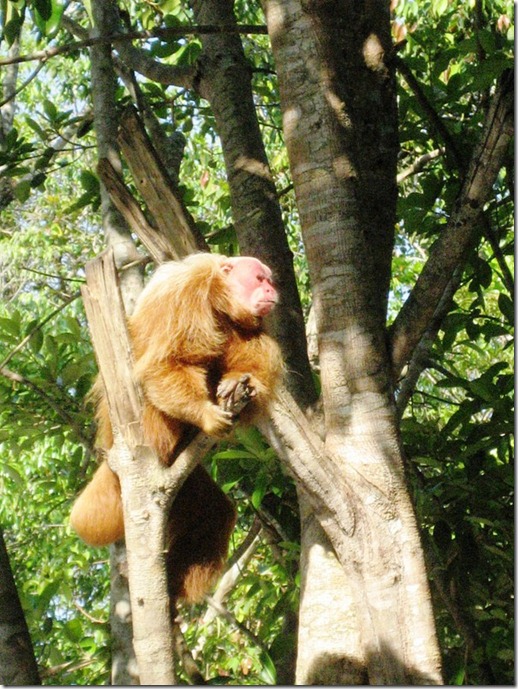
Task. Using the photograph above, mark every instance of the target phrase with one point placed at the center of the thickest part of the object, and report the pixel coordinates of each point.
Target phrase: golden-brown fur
(190, 331)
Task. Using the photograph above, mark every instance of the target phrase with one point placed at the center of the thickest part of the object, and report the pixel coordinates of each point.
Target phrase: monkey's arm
(180, 391)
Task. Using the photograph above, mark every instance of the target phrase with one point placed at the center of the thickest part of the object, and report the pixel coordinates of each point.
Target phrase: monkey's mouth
(263, 308)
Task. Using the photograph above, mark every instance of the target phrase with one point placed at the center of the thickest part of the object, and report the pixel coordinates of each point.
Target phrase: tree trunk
(119, 238)
(325, 601)
(17, 662)
(338, 102)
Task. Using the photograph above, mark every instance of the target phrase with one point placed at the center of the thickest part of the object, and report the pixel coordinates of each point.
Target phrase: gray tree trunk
(119, 238)
(338, 102)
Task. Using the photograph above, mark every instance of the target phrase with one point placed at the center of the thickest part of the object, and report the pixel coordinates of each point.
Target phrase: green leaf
(74, 630)
(258, 494)
(46, 595)
(268, 671)
(50, 109)
(188, 54)
(234, 454)
(43, 8)
(11, 325)
(36, 341)
(484, 389)
(506, 306)
(89, 181)
(53, 22)
(13, 474)
(13, 27)
(22, 190)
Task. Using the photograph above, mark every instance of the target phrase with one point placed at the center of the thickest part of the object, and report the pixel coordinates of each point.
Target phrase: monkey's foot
(234, 394)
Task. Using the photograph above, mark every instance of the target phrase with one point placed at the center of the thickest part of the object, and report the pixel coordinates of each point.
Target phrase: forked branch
(148, 487)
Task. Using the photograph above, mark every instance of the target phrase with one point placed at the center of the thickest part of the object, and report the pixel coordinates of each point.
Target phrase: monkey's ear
(227, 267)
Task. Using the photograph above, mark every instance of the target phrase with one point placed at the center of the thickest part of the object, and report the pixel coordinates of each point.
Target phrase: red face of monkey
(251, 282)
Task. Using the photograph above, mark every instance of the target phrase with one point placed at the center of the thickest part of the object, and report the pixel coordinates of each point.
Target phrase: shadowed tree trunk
(17, 662)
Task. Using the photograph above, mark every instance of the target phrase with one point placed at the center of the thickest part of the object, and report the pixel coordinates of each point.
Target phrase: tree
(18, 662)
(337, 69)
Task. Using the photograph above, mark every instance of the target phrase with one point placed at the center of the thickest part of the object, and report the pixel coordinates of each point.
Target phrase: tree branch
(140, 61)
(227, 615)
(158, 247)
(420, 356)
(436, 122)
(419, 164)
(451, 248)
(174, 222)
(238, 564)
(163, 32)
(62, 414)
(489, 234)
(11, 96)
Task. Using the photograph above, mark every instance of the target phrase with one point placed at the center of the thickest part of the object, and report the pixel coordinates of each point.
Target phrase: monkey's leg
(257, 360)
(201, 522)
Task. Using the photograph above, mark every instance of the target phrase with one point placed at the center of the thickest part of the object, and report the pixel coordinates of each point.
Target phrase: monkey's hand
(234, 394)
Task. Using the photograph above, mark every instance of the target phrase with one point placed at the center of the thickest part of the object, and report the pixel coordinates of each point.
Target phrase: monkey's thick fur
(189, 333)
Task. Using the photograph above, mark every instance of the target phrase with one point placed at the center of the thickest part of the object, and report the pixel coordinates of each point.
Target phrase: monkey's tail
(97, 513)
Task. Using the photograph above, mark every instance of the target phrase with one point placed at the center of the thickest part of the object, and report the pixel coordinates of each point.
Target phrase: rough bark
(338, 101)
(118, 237)
(174, 222)
(332, 657)
(17, 662)
(159, 249)
(368, 519)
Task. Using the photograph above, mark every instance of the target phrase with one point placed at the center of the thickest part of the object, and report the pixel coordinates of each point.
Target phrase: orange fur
(192, 328)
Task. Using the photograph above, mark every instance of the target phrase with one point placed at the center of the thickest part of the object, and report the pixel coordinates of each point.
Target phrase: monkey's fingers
(235, 393)
(228, 386)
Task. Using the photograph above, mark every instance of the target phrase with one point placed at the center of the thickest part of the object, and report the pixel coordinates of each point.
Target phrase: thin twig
(224, 612)
(164, 32)
(25, 83)
(67, 418)
(419, 164)
(37, 327)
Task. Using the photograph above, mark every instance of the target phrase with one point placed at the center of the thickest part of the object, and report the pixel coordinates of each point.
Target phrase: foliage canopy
(457, 428)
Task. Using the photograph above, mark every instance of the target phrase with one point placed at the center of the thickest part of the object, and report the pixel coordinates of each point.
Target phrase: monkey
(196, 332)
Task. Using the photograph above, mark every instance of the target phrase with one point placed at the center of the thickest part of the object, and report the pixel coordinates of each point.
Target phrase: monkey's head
(250, 282)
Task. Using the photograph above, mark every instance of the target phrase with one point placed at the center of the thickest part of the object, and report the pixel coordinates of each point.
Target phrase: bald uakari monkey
(196, 332)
